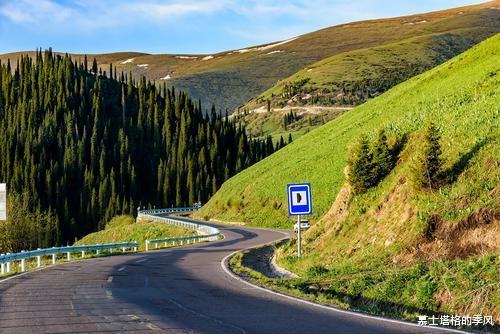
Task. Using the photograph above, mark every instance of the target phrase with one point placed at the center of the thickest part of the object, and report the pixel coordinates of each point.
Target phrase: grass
(403, 293)
(231, 78)
(122, 228)
(262, 124)
(460, 96)
(350, 78)
(393, 250)
(125, 229)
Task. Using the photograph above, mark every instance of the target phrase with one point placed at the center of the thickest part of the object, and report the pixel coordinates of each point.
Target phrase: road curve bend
(176, 290)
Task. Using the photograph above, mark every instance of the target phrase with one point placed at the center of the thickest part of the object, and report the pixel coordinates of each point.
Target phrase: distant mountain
(229, 79)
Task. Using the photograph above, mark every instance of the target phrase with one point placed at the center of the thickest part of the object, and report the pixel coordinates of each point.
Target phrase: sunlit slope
(231, 78)
(352, 77)
(461, 96)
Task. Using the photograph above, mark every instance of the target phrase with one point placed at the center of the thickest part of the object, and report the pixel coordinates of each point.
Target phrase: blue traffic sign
(299, 199)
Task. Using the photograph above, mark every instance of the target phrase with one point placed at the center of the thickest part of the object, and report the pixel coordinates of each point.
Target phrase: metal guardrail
(205, 232)
(6, 259)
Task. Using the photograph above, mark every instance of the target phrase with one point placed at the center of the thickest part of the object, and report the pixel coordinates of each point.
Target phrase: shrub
(427, 166)
(360, 166)
(369, 164)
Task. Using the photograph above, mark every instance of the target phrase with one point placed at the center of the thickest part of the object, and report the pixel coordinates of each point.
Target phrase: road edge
(331, 308)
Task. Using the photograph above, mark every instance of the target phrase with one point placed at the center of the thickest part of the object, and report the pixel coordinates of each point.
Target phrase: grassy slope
(124, 228)
(232, 78)
(393, 250)
(379, 68)
(460, 95)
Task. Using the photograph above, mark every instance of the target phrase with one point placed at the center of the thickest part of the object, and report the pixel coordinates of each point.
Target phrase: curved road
(177, 290)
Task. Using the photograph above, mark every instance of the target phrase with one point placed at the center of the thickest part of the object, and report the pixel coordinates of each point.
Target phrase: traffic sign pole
(299, 203)
(298, 236)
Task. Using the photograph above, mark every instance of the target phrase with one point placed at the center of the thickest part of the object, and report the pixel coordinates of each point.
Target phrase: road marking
(110, 279)
(109, 294)
(153, 327)
(122, 269)
(141, 260)
(224, 266)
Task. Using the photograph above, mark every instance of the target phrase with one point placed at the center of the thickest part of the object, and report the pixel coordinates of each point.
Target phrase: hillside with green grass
(461, 96)
(229, 79)
(126, 229)
(395, 249)
(353, 77)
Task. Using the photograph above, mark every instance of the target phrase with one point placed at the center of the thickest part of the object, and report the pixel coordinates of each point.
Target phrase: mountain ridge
(230, 78)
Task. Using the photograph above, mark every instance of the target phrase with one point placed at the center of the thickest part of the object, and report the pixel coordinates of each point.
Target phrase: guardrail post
(123, 249)
(38, 260)
(83, 254)
(23, 265)
(8, 265)
(135, 249)
(2, 267)
(54, 258)
(68, 254)
(182, 242)
(156, 245)
(147, 245)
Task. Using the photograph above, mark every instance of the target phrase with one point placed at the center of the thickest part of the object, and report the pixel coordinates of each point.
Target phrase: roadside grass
(122, 228)
(126, 229)
(400, 293)
(394, 252)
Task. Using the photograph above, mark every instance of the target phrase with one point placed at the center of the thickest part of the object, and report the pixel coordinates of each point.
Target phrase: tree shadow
(451, 174)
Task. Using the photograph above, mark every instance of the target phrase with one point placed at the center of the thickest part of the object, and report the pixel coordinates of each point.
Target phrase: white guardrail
(6, 259)
(205, 233)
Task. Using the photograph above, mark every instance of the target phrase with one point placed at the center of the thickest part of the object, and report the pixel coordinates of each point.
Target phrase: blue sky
(182, 26)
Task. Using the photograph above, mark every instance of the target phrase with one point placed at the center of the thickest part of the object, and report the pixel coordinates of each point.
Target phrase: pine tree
(94, 66)
(427, 166)
(359, 163)
(84, 147)
(382, 159)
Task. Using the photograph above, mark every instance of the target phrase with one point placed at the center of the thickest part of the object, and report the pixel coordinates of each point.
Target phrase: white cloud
(34, 11)
(95, 14)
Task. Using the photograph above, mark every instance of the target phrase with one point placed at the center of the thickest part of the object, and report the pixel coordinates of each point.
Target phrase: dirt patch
(261, 260)
(476, 235)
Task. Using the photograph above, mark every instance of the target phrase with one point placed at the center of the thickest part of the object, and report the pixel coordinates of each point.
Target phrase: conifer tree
(427, 166)
(93, 147)
(359, 163)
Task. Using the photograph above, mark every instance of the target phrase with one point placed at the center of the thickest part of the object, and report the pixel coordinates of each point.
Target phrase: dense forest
(79, 145)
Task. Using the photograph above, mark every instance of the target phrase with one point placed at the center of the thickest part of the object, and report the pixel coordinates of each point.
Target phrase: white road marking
(122, 269)
(141, 260)
(110, 279)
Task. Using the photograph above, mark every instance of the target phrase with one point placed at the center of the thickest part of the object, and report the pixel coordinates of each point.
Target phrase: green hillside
(460, 95)
(126, 229)
(230, 78)
(395, 250)
(351, 78)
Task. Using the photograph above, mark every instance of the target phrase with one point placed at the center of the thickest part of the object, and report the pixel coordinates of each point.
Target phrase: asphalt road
(167, 291)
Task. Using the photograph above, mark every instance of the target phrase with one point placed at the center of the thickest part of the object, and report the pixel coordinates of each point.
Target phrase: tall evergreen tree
(427, 167)
(85, 147)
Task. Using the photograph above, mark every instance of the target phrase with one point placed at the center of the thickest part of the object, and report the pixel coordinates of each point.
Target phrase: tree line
(80, 146)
